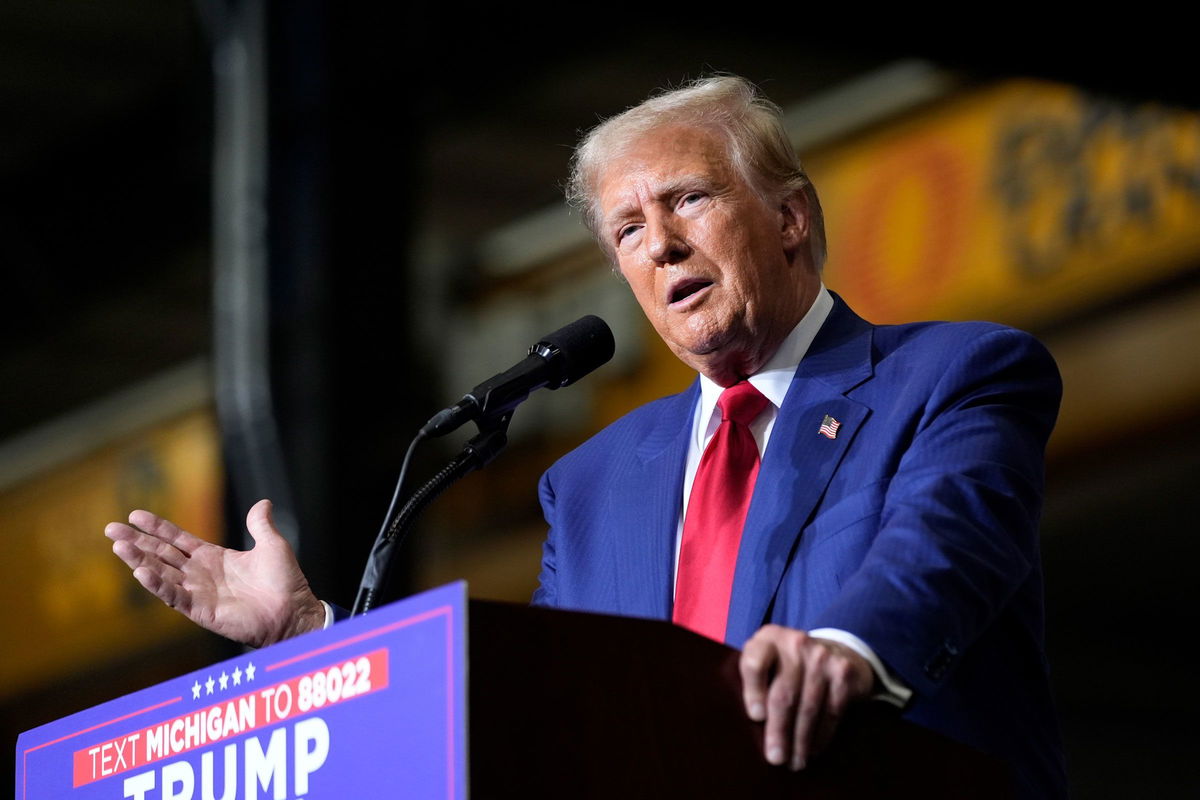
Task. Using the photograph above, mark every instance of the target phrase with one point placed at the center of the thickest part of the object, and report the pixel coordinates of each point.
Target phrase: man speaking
(854, 506)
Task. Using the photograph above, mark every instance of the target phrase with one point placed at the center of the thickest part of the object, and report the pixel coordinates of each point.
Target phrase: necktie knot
(741, 403)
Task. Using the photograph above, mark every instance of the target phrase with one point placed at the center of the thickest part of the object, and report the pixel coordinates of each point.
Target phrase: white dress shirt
(773, 381)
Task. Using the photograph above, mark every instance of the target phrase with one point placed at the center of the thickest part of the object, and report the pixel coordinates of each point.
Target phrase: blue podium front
(373, 707)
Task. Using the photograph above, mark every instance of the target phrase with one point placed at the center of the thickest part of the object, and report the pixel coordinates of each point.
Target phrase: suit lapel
(645, 506)
(799, 463)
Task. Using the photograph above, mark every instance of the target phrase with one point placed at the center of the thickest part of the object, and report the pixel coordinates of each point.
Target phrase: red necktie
(712, 529)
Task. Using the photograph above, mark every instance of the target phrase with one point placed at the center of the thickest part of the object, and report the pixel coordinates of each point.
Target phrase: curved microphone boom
(558, 359)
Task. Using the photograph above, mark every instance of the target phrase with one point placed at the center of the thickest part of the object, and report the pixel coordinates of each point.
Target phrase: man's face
(721, 275)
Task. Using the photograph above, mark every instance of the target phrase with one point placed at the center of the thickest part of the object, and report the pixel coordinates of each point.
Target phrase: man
(856, 505)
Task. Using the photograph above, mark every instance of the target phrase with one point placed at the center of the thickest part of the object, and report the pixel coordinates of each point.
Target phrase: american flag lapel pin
(829, 427)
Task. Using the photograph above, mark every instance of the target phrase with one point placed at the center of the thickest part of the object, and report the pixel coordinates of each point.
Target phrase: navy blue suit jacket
(915, 528)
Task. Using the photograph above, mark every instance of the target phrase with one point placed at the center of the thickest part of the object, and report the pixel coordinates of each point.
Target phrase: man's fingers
(782, 698)
(137, 560)
(827, 726)
(134, 556)
(164, 529)
(811, 711)
(843, 685)
(808, 683)
(170, 592)
(133, 543)
(758, 658)
(836, 677)
(118, 530)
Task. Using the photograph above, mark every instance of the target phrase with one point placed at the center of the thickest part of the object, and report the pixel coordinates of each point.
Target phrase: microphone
(558, 359)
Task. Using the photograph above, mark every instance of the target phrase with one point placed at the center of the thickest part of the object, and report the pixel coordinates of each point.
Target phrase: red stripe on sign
(270, 705)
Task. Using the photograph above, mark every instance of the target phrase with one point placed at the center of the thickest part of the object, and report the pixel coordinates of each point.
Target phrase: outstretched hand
(256, 597)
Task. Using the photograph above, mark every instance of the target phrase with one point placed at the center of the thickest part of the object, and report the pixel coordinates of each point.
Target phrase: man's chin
(700, 337)
(719, 362)
(697, 351)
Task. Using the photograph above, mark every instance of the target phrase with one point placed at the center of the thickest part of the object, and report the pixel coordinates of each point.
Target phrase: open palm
(256, 597)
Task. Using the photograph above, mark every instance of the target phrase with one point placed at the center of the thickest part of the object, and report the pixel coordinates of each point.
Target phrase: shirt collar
(774, 379)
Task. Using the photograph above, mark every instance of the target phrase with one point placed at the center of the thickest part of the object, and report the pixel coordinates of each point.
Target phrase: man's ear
(793, 220)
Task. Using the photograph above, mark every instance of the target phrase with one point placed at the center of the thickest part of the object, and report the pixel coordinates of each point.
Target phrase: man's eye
(691, 198)
(626, 231)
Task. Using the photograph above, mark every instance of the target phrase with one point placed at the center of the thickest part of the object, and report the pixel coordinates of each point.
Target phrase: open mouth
(687, 289)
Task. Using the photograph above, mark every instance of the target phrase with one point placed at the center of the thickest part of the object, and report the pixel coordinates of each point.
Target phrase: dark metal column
(242, 313)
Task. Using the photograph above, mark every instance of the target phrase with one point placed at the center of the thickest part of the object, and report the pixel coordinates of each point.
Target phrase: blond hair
(733, 106)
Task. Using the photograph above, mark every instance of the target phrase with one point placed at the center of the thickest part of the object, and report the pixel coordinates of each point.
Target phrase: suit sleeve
(957, 542)
(545, 594)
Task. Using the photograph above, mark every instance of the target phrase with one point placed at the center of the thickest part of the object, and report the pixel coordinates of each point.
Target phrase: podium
(439, 697)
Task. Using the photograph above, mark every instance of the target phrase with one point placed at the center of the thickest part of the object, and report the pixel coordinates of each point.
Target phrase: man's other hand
(800, 685)
(256, 597)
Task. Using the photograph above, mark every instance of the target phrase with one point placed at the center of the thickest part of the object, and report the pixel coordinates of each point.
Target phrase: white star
(208, 684)
(250, 671)
(196, 690)
(237, 676)
(224, 681)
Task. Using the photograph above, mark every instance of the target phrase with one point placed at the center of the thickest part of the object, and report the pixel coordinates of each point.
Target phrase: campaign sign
(372, 707)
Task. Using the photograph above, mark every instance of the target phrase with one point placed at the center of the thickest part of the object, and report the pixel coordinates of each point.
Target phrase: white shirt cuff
(893, 690)
(328, 615)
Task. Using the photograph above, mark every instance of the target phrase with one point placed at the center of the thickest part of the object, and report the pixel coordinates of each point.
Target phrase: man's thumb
(259, 522)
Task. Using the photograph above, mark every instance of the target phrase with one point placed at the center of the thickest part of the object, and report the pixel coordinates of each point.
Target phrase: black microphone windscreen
(583, 345)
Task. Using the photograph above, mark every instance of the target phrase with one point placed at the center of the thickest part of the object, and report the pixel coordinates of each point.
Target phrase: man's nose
(665, 242)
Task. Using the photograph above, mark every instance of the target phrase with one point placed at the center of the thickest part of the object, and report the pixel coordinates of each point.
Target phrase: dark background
(395, 133)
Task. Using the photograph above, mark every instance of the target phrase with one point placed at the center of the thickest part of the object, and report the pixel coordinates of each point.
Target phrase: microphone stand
(476, 454)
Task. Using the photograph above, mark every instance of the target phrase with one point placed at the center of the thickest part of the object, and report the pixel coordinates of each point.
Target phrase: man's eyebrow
(684, 183)
(675, 185)
(620, 213)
